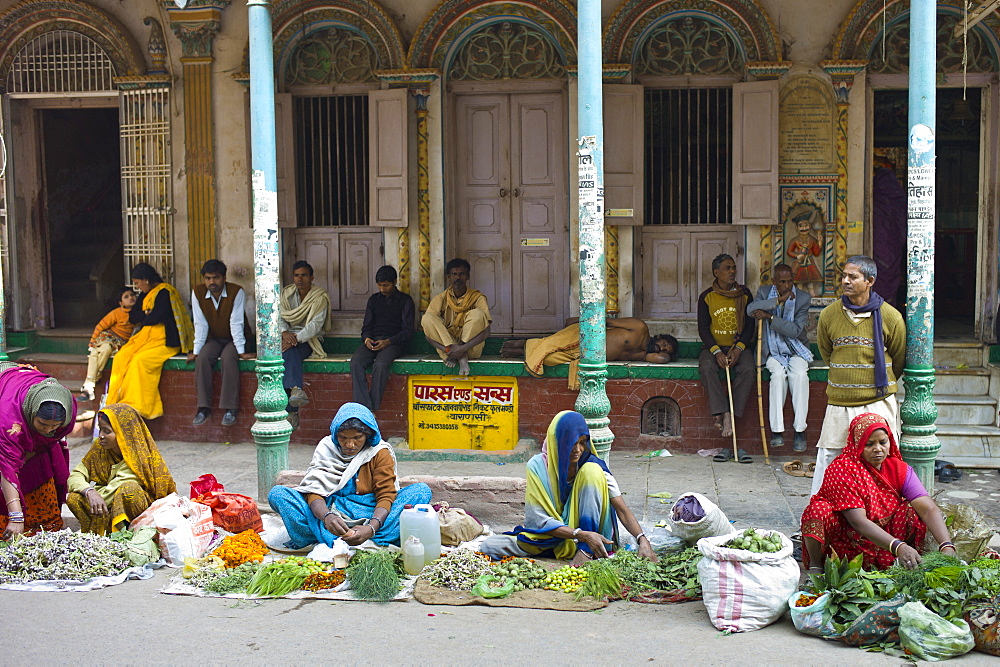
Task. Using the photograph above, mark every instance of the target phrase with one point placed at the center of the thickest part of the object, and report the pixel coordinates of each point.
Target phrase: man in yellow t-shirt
(457, 321)
(726, 332)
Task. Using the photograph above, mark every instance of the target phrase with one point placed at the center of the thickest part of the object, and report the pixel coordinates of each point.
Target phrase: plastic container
(413, 555)
(421, 521)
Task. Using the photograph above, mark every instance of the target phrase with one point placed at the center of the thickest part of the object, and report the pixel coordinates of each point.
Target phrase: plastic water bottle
(413, 555)
(422, 521)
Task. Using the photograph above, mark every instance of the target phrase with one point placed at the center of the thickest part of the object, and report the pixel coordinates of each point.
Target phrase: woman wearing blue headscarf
(572, 502)
(350, 489)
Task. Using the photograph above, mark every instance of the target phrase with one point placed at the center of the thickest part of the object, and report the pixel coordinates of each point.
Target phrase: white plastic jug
(413, 555)
(422, 521)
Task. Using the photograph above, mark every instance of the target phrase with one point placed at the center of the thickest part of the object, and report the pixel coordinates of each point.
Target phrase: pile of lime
(757, 541)
(567, 579)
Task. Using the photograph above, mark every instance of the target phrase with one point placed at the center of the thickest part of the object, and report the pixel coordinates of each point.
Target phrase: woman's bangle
(15, 517)
(894, 546)
(945, 545)
(639, 537)
(576, 531)
(327, 514)
(380, 524)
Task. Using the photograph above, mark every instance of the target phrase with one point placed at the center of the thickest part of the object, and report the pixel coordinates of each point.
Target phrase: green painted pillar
(919, 443)
(271, 429)
(592, 401)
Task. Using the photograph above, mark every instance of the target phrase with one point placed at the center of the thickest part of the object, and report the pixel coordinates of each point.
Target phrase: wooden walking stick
(732, 417)
(760, 394)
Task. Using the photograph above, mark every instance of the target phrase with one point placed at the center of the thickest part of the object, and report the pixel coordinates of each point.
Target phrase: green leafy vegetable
(375, 576)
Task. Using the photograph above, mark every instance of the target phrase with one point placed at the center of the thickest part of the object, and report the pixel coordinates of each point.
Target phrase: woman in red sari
(871, 503)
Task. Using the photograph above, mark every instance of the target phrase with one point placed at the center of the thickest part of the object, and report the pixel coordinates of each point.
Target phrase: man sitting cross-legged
(457, 321)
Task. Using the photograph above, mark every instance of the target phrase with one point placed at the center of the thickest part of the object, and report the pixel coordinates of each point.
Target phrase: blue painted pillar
(592, 401)
(270, 430)
(919, 443)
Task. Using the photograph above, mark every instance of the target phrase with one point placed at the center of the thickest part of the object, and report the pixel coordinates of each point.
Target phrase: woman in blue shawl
(350, 489)
(572, 503)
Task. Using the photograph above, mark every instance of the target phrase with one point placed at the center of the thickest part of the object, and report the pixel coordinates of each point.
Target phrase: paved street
(133, 623)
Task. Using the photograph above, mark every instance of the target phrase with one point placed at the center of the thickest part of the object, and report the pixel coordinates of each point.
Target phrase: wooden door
(511, 206)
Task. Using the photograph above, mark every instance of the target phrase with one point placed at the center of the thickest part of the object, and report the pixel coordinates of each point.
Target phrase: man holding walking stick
(782, 309)
(726, 332)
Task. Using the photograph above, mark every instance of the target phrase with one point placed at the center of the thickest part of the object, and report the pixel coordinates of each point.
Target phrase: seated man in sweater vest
(864, 340)
(726, 332)
(385, 331)
(219, 333)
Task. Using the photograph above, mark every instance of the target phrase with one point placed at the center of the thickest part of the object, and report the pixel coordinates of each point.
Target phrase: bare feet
(718, 422)
(581, 558)
(512, 349)
(727, 425)
(449, 362)
(463, 366)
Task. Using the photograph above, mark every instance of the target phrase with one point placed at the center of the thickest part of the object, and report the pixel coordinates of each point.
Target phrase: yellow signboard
(448, 412)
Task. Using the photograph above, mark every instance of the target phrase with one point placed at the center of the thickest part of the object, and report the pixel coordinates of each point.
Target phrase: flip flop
(743, 457)
(810, 469)
(794, 468)
(949, 474)
(723, 456)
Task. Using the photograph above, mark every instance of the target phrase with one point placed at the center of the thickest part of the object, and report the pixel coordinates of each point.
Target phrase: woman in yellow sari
(121, 475)
(163, 329)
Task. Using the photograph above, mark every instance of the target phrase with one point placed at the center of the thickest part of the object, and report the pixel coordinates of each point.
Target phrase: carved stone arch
(861, 32)
(449, 26)
(295, 21)
(29, 19)
(745, 20)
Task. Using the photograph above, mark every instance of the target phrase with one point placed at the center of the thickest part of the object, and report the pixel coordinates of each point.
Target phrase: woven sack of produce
(744, 590)
(711, 520)
(984, 620)
(457, 525)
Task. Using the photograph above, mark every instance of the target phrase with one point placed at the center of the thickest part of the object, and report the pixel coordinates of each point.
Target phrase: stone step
(966, 410)
(972, 382)
(960, 440)
(951, 354)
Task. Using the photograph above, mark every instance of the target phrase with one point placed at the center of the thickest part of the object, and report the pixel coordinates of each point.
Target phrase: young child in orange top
(109, 335)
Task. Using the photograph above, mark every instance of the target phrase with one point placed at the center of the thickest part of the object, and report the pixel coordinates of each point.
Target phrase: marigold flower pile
(245, 547)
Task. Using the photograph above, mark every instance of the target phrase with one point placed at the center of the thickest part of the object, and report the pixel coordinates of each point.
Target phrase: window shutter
(624, 158)
(284, 135)
(387, 163)
(755, 153)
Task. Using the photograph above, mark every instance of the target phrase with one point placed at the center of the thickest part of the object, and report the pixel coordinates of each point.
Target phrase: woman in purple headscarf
(889, 234)
(36, 415)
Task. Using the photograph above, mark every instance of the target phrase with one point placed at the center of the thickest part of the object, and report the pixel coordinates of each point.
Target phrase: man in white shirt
(218, 309)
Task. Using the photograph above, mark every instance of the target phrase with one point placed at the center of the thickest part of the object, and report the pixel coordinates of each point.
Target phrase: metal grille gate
(147, 208)
(61, 61)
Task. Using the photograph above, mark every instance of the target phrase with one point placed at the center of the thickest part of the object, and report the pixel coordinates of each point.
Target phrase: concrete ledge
(524, 450)
(496, 501)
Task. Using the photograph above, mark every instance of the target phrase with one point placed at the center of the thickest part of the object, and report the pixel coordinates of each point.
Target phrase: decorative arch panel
(860, 36)
(447, 30)
(28, 20)
(315, 31)
(637, 22)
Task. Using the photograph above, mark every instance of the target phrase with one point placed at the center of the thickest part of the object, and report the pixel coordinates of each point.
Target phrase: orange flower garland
(242, 548)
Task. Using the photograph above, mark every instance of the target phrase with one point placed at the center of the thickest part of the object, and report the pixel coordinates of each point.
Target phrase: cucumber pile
(526, 573)
(757, 541)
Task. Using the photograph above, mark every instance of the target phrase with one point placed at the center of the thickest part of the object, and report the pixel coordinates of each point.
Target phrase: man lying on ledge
(627, 339)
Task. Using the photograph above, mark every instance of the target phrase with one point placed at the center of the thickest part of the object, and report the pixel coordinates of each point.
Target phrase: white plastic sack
(744, 590)
(712, 524)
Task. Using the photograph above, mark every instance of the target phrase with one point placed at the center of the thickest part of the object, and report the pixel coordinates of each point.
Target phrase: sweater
(378, 477)
(117, 321)
(849, 349)
(717, 318)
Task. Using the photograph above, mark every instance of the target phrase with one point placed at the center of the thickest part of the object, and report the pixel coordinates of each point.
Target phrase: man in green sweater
(863, 339)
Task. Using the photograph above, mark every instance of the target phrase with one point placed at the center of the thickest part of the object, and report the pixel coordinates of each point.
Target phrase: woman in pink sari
(36, 415)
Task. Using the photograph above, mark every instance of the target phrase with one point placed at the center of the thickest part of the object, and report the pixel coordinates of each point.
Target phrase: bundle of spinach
(939, 582)
(674, 571)
(851, 589)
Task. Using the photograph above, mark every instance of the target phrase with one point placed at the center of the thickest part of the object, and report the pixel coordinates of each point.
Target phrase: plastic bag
(970, 530)
(233, 512)
(205, 484)
(744, 590)
(927, 636)
(984, 621)
(816, 619)
(712, 524)
(663, 541)
(457, 525)
(484, 587)
(879, 623)
(194, 533)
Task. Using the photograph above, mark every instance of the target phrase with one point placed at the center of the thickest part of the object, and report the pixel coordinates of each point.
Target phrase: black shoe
(201, 417)
(229, 418)
(799, 444)
(777, 440)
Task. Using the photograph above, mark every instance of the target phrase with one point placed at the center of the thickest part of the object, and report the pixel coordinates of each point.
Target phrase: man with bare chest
(627, 339)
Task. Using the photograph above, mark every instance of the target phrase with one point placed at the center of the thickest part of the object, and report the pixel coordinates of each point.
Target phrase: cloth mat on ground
(528, 599)
(93, 584)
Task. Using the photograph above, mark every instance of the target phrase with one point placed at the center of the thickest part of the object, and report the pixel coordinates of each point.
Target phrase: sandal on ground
(794, 468)
(949, 474)
(725, 455)
(743, 457)
(810, 469)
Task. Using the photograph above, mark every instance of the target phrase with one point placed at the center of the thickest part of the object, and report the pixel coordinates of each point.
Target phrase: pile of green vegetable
(61, 555)
(375, 575)
(523, 572)
(757, 541)
(674, 571)
(233, 580)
